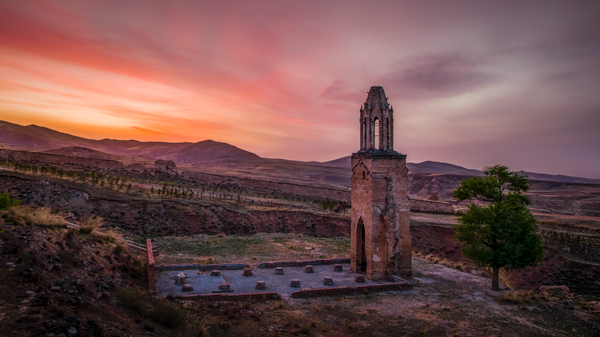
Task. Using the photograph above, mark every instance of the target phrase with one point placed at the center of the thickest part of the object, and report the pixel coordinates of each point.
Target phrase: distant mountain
(83, 152)
(344, 162)
(212, 153)
(437, 167)
(434, 167)
(208, 152)
(424, 167)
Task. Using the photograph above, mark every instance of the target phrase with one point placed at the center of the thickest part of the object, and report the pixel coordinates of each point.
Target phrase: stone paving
(204, 283)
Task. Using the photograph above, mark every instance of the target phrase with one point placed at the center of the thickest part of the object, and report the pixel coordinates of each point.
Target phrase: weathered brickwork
(380, 215)
(150, 265)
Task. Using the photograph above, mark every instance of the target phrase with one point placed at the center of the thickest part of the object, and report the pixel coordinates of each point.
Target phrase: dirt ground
(443, 302)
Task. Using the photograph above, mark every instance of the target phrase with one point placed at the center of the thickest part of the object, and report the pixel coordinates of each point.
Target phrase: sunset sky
(473, 83)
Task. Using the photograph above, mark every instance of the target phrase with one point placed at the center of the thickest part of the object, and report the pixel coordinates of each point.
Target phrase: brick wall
(305, 293)
(302, 263)
(233, 297)
(150, 261)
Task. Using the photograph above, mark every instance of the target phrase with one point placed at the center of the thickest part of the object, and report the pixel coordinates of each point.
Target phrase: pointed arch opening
(376, 134)
(361, 254)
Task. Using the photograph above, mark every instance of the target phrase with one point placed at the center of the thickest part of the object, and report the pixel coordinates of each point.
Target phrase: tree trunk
(495, 285)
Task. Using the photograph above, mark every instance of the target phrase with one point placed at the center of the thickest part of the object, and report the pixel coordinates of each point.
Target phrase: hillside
(83, 152)
(218, 155)
(208, 152)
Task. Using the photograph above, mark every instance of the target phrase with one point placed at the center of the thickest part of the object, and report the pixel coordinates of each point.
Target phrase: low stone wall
(232, 297)
(305, 293)
(430, 206)
(302, 263)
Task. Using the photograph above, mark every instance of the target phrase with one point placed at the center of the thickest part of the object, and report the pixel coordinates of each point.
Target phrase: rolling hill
(209, 153)
(36, 138)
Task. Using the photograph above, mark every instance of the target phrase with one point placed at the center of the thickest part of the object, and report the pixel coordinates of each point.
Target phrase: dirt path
(443, 302)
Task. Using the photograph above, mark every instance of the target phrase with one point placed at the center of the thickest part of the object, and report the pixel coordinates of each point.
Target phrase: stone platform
(204, 284)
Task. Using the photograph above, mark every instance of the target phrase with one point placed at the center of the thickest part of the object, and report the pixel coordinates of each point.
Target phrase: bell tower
(380, 215)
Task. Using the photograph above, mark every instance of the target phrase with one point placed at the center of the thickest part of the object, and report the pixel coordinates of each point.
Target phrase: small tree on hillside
(504, 233)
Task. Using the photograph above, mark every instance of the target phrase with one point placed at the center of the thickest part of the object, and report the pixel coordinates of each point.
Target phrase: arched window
(376, 134)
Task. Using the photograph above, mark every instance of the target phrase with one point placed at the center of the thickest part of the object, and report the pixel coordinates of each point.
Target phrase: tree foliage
(502, 234)
(6, 201)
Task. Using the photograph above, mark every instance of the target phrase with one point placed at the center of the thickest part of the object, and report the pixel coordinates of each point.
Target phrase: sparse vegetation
(167, 313)
(6, 201)
(108, 236)
(207, 249)
(28, 216)
(133, 299)
(89, 225)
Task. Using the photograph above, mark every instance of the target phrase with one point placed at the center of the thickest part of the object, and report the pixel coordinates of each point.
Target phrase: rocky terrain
(57, 282)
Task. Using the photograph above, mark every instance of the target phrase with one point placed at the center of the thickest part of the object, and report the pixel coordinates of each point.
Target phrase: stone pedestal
(309, 269)
(295, 283)
(260, 285)
(215, 273)
(247, 272)
(359, 279)
(337, 267)
(187, 287)
(225, 287)
(279, 271)
(328, 281)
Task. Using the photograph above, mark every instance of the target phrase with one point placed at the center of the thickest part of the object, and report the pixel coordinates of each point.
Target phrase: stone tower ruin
(380, 215)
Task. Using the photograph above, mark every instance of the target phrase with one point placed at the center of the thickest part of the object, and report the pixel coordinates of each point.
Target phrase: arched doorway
(361, 254)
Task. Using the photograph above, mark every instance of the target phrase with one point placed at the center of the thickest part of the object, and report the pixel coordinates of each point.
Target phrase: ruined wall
(65, 162)
(380, 201)
(430, 206)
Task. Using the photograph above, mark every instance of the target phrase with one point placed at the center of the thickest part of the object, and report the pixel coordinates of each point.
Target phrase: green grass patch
(250, 249)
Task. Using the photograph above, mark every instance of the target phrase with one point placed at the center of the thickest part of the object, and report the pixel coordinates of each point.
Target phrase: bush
(6, 201)
(91, 224)
(105, 237)
(167, 313)
(120, 248)
(132, 299)
(137, 266)
(28, 216)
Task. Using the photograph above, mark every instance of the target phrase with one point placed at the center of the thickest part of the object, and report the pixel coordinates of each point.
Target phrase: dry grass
(90, 225)
(106, 237)
(40, 217)
(518, 296)
(167, 313)
(132, 299)
(206, 260)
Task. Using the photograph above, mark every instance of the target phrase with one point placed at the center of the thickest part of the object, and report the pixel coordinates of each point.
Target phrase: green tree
(502, 234)
(6, 201)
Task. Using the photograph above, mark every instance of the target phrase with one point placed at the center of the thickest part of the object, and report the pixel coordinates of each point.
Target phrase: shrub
(6, 201)
(105, 237)
(28, 216)
(517, 297)
(132, 299)
(120, 247)
(137, 266)
(167, 313)
(91, 224)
